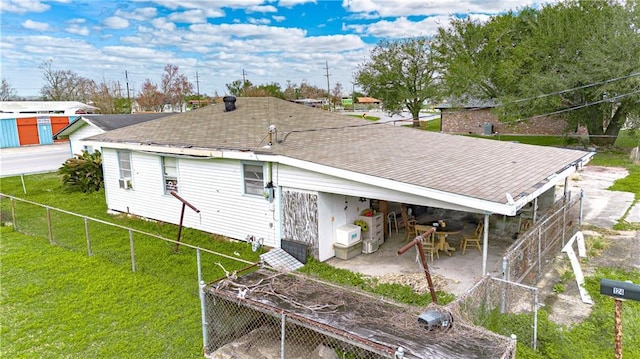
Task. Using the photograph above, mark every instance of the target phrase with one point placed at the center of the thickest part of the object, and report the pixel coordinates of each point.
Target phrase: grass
(74, 306)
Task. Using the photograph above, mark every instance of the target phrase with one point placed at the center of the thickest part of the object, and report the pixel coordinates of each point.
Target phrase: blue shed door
(45, 134)
(9, 133)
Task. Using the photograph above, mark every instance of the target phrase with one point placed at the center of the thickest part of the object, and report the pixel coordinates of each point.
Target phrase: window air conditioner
(125, 183)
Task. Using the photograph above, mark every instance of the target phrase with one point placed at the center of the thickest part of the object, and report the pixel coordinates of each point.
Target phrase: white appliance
(347, 235)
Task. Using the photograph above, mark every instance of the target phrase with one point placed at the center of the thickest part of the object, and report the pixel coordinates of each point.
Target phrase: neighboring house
(46, 107)
(271, 169)
(89, 125)
(475, 117)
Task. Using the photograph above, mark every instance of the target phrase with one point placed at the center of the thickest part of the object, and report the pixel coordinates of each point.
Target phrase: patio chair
(429, 246)
(474, 239)
(410, 230)
(392, 221)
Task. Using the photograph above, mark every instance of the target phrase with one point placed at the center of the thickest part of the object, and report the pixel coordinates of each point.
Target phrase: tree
(577, 59)
(107, 96)
(402, 74)
(7, 92)
(64, 85)
(238, 87)
(336, 94)
(150, 98)
(175, 86)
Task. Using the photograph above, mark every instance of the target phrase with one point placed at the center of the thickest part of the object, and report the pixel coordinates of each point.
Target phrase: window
(253, 179)
(88, 149)
(124, 163)
(170, 174)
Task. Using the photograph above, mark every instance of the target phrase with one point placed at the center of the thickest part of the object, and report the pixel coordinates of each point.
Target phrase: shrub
(82, 173)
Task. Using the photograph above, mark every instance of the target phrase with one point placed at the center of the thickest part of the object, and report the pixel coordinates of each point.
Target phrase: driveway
(33, 159)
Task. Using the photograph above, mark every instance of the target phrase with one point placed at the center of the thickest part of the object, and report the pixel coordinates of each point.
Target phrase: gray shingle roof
(473, 167)
(108, 122)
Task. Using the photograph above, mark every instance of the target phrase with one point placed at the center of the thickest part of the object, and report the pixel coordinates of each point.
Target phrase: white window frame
(169, 174)
(88, 149)
(125, 169)
(252, 179)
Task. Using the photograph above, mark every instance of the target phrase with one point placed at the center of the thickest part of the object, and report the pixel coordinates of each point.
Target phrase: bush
(83, 173)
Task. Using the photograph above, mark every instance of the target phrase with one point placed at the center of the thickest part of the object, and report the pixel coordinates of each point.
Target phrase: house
(273, 170)
(475, 117)
(89, 125)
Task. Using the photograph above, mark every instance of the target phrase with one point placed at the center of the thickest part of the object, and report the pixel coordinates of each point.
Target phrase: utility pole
(328, 87)
(126, 76)
(198, 88)
(244, 81)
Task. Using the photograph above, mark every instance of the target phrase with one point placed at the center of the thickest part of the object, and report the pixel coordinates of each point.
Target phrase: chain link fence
(122, 245)
(501, 306)
(523, 261)
(270, 314)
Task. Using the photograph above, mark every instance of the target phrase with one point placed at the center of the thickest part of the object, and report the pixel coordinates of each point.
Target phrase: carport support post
(581, 211)
(485, 244)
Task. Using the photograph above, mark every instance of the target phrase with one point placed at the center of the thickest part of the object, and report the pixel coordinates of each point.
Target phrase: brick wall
(472, 121)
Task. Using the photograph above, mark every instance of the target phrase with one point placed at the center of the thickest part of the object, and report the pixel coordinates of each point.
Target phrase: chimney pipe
(229, 103)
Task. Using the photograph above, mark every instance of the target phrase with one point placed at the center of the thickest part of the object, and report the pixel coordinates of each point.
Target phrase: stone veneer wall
(472, 121)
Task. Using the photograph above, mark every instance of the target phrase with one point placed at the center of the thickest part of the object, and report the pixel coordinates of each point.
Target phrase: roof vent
(229, 103)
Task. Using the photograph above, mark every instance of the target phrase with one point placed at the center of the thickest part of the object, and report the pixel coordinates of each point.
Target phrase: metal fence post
(86, 232)
(539, 249)
(203, 312)
(133, 253)
(13, 214)
(282, 335)
(535, 319)
(564, 222)
(581, 209)
(49, 225)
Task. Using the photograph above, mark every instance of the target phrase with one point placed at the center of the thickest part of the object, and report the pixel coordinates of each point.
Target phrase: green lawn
(60, 304)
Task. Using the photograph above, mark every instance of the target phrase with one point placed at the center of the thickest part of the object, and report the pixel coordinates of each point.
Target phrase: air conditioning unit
(125, 183)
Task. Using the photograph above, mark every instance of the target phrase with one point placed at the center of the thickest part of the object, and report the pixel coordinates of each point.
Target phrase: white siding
(212, 186)
(85, 131)
(335, 211)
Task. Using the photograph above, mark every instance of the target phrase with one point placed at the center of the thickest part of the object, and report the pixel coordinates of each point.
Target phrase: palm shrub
(82, 172)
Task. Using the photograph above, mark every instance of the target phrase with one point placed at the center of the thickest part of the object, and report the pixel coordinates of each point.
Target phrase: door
(28, 131)
(45, 133)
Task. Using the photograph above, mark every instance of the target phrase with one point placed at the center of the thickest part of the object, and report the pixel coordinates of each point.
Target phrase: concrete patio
(459, 272)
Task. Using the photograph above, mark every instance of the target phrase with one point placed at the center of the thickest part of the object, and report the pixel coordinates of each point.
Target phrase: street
(33, 159)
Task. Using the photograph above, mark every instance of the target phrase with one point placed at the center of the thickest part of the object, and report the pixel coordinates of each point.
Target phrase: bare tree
(64, 85)
(336, 94)
(108, 97)
(175, 86)
(7, 92)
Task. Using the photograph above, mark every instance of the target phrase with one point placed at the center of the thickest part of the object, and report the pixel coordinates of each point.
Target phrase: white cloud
(395, 8)
(278, 18)
(195, 16)
(139, 14)
(206, 4)
(262, 9)
(401, 27)
(292, 3)
(76, 21)
(23, 7)
(162, 24)
(262, 21)
(35, 25)
(78, 30)
(115, 22)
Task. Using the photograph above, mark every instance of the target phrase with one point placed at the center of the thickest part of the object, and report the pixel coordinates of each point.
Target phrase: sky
(214, 42)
